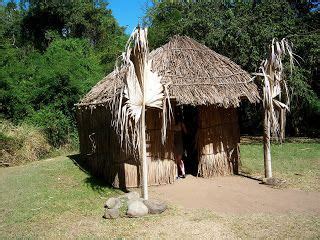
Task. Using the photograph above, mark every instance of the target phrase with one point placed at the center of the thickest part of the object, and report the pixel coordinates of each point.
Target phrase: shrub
(42, 88)
(56, 126)
(21, 143)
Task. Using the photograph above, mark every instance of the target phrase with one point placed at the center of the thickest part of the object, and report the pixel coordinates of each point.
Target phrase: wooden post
(143, 155)
(266, 144)
(143, 151)
(282, 124)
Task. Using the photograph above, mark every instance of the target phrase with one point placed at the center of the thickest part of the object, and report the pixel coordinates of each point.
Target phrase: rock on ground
(112, 203)
(111, 213)
(131, 196)
(133, 200)
(137, 209)
(155, 206)
(273, 181)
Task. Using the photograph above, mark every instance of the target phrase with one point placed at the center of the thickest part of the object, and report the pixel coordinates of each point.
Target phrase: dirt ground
(236, 195)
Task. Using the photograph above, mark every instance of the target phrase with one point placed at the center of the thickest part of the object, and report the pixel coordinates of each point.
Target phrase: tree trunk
(266, 144)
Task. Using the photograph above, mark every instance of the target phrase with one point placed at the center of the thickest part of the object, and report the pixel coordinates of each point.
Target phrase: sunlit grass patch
(41, 192)
(298, 163)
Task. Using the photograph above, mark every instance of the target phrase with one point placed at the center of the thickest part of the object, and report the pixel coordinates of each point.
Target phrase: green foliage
(55, 124)
(45, 87)
(242, 31)
(51, 54)
(10, 28)
(89, 19)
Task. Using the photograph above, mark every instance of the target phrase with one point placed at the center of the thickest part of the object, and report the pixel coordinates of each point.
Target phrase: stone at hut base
(131, 196)
(155, 206)
(276, 182)
(133, 200)
(113, 203)
(111, 213)
(137, 209)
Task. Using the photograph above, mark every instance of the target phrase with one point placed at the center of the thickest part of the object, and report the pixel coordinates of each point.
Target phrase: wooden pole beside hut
(266, 144)
(275, 97)
(143, 151)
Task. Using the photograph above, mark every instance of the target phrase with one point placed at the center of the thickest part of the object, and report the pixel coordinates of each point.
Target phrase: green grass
(34, 196)
(298, 163)
(55, 199)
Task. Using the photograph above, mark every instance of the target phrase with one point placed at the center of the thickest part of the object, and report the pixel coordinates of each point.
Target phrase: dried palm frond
(142, 88)
(275, 97)
(275, 89)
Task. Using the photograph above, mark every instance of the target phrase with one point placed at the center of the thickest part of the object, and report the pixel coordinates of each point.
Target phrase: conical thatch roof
(196, 75)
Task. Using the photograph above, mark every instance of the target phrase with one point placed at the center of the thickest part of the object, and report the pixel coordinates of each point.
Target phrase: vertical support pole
(282, 124)
(143, 155)
(143, 151)
(266, 144)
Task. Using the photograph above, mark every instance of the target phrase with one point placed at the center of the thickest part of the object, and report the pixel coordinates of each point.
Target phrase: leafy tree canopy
(51, 53)
(242, 31)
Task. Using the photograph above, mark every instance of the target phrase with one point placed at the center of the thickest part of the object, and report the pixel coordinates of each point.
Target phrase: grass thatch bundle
(195, 75)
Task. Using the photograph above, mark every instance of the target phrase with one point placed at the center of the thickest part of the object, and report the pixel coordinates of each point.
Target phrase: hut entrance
(190, 119)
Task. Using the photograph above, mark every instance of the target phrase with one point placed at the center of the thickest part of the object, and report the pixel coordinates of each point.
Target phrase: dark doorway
(190, 119)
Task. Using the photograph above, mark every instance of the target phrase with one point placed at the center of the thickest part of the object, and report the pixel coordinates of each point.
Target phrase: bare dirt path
(236, 195)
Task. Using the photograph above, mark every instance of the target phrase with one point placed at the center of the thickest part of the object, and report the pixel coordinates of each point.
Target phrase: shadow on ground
(247, 175)
(95, 183)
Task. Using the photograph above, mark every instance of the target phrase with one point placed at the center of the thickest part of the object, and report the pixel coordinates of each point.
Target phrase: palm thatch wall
(218, 141)
(217, 144)
(103, 155)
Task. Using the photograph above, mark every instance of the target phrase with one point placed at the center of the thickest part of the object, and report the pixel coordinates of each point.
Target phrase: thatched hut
(206, 84)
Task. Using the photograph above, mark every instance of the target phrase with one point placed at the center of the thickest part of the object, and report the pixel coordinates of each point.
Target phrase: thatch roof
(196, 76)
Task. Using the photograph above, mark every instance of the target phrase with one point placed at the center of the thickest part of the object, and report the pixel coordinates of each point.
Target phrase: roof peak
(195, 74)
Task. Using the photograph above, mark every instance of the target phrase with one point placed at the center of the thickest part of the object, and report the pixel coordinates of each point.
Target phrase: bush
(56, 125)
(21, 144)
(42, 88)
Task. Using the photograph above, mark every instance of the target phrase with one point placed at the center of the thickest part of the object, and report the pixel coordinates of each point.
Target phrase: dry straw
(194, 74)
(275, 89)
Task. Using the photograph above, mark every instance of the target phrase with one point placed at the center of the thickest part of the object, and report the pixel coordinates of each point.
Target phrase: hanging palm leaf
(275, 90)
(275, 95)
(142, 88)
